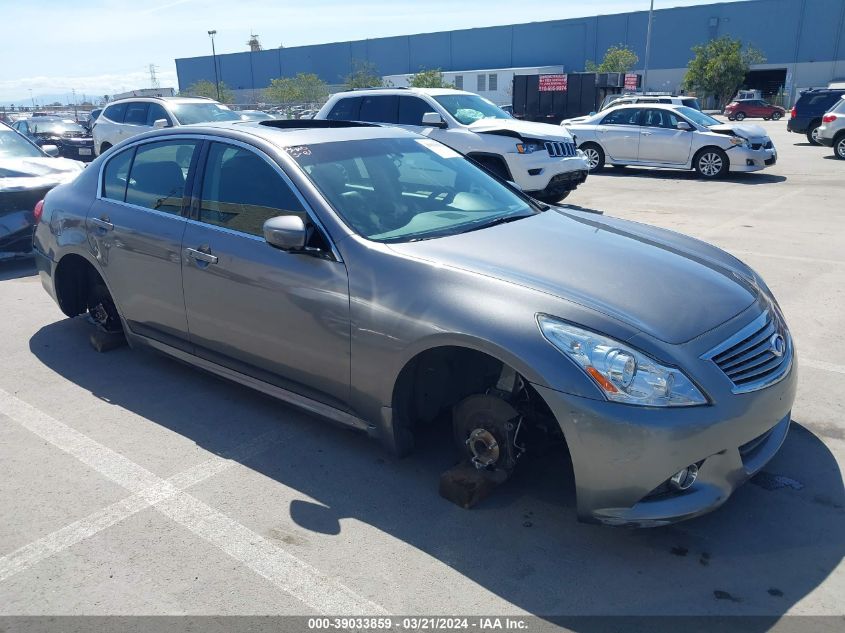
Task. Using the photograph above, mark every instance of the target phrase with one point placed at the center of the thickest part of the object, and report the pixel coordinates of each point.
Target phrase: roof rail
(377, 88)
(299, 124)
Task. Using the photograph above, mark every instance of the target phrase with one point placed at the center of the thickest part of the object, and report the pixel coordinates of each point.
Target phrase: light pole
(211, 34)
(31, 98)
(647, 46)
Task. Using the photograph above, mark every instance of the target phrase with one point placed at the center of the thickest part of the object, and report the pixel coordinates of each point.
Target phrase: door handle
(200, 256)
(644, 133)
(102, 223)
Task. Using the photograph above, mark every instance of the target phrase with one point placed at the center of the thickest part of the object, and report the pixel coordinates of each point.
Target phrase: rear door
(135, 228)
(660, 139)
(619, 134)
(280, 317)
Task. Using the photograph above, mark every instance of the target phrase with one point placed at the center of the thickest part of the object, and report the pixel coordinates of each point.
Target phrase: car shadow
(17, 268)
(764, 551)
(754, 178)
(831, 157)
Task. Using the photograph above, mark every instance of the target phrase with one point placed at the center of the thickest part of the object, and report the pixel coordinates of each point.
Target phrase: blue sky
(105, 46)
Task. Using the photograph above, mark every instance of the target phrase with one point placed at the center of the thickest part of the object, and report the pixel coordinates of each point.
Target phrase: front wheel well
(432, 383)
(493, 163)
(75, 278)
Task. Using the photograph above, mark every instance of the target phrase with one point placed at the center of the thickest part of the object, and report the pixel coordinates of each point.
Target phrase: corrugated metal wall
(787, 31)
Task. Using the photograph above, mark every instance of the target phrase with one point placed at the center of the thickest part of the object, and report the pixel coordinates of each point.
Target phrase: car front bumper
(745, 159)
(622, 455)
(537, 172)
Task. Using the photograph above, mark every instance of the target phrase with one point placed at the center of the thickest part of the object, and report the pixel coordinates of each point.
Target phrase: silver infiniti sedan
(672, 136)
(381, 280)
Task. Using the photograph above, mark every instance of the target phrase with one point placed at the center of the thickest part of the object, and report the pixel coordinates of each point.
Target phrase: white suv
(541, 159)
(127, 117)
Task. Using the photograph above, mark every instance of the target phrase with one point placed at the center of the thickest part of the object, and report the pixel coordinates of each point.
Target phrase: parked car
(255, 115)
(380, 279)
(753, 108)
(73, 140)
(629, 99)
(807, 113)
(541, 159)
(672, 136)
(832, 130)
(127, 117)
(27, 173)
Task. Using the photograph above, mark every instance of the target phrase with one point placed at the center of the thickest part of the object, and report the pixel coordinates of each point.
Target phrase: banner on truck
(552, 83)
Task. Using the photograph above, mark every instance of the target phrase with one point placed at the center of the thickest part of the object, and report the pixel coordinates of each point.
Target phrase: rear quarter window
(115, 112)
(346, 109)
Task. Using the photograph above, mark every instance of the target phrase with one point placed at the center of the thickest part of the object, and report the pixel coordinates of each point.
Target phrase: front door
(135, 229)
(660, 139)
(277, 316)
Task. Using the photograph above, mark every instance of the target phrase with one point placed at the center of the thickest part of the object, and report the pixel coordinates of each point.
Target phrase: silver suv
(832, 130)
(127, 117)
(380, 279)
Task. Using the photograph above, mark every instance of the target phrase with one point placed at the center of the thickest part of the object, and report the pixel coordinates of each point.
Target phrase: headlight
(528, 148)
(623, 373)
(738, 140)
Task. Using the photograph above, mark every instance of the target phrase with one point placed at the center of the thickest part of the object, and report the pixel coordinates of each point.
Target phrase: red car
(742, 108)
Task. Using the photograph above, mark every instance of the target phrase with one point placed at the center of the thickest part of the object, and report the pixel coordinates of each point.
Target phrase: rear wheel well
(75, 280)
(105, 147)
(436, 380)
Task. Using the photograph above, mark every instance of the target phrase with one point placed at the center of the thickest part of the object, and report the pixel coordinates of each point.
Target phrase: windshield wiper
(496, 221)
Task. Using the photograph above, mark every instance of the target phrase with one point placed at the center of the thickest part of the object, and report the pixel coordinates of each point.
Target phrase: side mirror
(285, 232)
(160, 123)
(683, 126)
(433, 119)
(52, 150)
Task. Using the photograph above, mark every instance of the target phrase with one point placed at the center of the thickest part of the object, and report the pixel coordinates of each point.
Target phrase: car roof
(167, 99)
(289, 135)
(432, 92)
(660, 106)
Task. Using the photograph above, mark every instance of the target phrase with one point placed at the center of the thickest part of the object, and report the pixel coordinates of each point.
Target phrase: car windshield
(407, 189)
(698, 117)
(188, 113)
(13, 145)
(468, 109)
(51, 126)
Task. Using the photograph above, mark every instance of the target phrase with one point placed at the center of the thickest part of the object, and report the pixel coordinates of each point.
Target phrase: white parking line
(284, 570)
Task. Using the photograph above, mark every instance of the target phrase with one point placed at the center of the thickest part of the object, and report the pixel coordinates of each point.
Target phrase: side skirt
(297, 400)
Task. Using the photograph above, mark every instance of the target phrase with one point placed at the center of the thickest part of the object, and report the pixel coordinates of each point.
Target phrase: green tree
(364, 75)
(304, 88)
(204, 88)
(719, 68)
(617, 59)
(429, 79)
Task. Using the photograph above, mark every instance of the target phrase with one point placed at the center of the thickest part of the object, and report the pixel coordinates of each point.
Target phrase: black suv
(807, 112)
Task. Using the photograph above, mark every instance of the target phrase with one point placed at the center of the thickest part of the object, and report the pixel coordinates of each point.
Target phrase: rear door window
(379, 108)
(346, 109)
(136, 113)
(158, 175)
(625, 116)
(115, 112)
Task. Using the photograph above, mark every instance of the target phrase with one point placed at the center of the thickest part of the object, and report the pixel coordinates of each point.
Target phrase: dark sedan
(73, 140)
(26, 174)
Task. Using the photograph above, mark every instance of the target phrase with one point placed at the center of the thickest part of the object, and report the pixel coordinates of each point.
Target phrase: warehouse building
(803, 42)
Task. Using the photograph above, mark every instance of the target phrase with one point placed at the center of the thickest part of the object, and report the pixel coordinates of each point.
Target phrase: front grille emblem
(777, 345)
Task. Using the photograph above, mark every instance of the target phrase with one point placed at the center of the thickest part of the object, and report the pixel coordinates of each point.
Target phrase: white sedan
(672, 136)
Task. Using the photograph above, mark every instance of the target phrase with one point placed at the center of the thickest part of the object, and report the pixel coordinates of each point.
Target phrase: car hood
(744, 130)
(520, 129)
(28, 173)
(667, 285)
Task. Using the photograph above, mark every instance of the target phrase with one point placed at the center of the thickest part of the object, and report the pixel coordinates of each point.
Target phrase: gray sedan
(379, 279)
(672, 136)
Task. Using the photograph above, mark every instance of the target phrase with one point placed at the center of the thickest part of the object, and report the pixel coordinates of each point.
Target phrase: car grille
(757, 356)
(766, 145)
(560, 149)
(74, 134)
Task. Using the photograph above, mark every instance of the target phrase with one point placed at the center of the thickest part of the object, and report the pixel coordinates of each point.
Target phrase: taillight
(38, 211)
(792, 112)
(828, 118)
